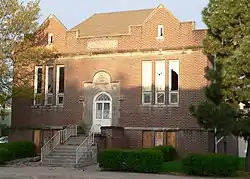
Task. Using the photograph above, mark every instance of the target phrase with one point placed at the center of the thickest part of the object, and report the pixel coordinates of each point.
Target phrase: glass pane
(99, 106)
(50, 99)
(174, 80)
(60, 100)
(61, 80)
(39, 80)
(174, 98)
(161, 98)
(102, 97)
(147, 97)
(50, 80)
(98, 110)
(106, 111)
(106, 106)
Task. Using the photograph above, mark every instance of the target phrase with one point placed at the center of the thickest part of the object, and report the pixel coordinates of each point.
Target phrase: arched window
(102, 103)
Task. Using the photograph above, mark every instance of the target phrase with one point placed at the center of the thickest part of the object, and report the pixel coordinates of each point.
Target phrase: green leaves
(19, 48)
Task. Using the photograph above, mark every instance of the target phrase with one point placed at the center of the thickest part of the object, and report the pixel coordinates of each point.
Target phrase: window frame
(170, 82)
(163, 91)
(144, 91)
(48, 94)
(59, 94)
(35, 103)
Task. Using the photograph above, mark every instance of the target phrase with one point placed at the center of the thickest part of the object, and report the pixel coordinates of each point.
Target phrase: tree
(227, 41)
(236, 82)
(19, 47)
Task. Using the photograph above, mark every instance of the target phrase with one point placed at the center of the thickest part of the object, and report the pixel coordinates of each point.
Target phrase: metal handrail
(59, 137)
(89, 141)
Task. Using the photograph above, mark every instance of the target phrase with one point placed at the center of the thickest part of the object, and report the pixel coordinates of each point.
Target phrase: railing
(86, 144)
(60, 137)
(69, 131)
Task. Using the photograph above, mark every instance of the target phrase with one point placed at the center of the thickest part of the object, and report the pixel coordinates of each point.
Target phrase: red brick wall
(126, 68)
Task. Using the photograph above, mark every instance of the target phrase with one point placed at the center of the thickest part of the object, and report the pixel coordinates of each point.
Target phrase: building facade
(139, 70)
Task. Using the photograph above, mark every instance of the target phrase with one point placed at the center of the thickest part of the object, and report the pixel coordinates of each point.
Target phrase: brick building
(139, 70)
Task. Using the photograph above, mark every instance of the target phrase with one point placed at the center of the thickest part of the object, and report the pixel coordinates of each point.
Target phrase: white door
(102, 111)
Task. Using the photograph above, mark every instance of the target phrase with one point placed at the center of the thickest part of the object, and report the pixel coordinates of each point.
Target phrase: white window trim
(145, 91)
(35, 83)
(49, 38)
(57, 85)
(170, 83)
(161, 91)
(46, 84)
(159, 32)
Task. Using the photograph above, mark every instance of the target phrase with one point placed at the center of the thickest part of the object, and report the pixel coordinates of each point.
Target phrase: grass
(172, 167)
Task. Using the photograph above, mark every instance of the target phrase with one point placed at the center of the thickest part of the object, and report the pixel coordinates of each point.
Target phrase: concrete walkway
(68, 173)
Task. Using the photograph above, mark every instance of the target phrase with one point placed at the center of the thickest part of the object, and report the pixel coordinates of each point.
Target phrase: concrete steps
(64, 155)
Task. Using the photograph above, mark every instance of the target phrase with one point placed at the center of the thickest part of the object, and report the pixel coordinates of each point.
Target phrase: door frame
(94, 106)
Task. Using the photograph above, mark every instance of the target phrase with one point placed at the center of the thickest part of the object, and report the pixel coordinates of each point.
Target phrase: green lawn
(175, 166)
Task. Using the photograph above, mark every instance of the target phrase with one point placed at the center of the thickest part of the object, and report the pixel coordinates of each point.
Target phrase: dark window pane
(39, 80)
(147, 98)
(174, 81)
(60, 100)
(61, 80)
(174, 98)
(50, 80)
(160, 98)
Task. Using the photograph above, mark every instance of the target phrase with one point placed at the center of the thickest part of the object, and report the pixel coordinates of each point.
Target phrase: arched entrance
(102, 110)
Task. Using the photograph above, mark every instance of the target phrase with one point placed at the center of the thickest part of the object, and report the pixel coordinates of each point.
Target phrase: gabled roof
(112, 23)
(51, 16)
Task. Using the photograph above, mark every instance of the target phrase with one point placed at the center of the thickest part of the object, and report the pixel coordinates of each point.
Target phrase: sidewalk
(70, 173)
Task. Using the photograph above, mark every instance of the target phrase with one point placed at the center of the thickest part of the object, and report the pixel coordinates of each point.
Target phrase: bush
(210, 165)
(169, 152)
(141, 160)
(20, 149)
(5, 155)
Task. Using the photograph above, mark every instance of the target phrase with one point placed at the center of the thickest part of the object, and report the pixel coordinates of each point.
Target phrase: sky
(73, 12)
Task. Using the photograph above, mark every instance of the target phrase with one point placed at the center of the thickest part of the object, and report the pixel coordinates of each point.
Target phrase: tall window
(146, 82)
(49, 82)
(160, 82)
(173, 81)
(60, 85)
(38, 81)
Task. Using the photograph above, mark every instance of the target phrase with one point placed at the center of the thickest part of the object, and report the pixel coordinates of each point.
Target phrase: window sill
(173, 105)
(46, 107)
(160, 38)
(160, 105)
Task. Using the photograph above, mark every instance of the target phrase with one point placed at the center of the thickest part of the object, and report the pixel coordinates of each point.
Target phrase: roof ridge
(124, 11)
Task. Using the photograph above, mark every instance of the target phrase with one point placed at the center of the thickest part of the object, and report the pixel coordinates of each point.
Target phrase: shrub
(141, 160)
(21, 149)
(169, 152)
(5, 155)
(210, 165)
